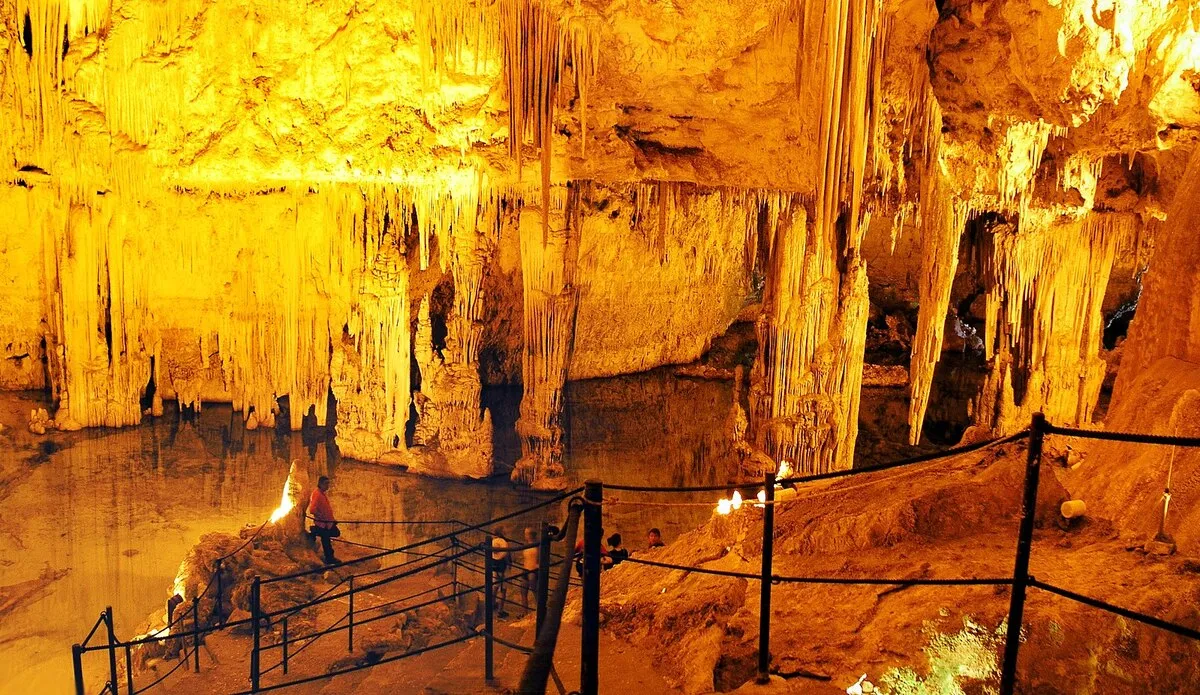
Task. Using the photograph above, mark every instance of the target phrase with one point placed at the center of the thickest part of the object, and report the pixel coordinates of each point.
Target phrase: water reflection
(103, 517)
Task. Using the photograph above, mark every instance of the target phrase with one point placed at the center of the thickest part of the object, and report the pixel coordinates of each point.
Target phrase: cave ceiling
(230, 94)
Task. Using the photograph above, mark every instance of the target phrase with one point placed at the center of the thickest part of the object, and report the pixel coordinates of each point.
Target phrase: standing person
(324, 525)
(616, 551)
(501, 558)
(654, 539)
(529, 563)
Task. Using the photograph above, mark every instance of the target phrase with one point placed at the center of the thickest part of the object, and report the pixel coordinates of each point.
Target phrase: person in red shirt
(605, 560)
(324, 525)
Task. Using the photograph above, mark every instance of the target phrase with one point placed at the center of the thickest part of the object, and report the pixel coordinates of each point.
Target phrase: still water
(104, 517)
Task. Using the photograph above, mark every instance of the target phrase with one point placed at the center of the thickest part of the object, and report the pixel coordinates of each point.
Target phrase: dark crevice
(27, 36)
(1117, 325)
(147, 400)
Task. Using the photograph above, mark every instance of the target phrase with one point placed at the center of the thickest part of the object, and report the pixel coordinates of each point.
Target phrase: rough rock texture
(247, 203)
(1168, 318)
(1126, 482)
(953, 518)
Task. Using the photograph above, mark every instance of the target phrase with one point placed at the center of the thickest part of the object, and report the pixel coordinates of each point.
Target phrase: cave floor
(950, 518)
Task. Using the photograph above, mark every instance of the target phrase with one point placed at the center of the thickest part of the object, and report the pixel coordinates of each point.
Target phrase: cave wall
(346, 160)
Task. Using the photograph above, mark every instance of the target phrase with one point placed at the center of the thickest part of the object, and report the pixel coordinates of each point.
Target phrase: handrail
(99, 622)
(923, 458)
(784, 579)
(541, 654)
(1130, 437)
(338, 672)
(471, 527)
(1150, 620)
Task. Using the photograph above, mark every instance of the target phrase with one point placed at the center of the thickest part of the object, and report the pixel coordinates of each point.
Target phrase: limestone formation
(316, 209)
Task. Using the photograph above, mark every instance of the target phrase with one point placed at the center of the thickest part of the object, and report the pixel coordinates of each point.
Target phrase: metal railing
(589, 509)
(1019, 582)
(459, 546)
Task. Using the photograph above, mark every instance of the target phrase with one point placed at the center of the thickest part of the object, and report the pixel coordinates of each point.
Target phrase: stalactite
(1020, 157)
(1081, 173)
(98, 314)
(449, 29)
(942, 218)
(535, 44)
(380, 327)
(1045, 286)
(583, 48)
(807, 379)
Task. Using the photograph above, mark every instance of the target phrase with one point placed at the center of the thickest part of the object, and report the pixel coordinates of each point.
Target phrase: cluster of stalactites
(98, 316)
(1020, 158)
(342, 268)
(455, 35)
(136, 92)
(806, 382)
(536, 45)
(839, 72)
(1043, 323)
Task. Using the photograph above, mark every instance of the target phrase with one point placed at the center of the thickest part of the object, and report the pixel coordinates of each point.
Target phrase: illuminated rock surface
(416, 230)
(240, 203)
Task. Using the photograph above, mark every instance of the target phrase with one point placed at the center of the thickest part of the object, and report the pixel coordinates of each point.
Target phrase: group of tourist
(612, 553)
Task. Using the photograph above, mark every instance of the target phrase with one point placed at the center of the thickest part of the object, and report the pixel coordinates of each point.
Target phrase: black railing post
(77, 660)
(454, 571)
(112, 647)
(1016, 608)
(196, 632)
(128, 672)
(489, 597)
(350, 619)
(764, 605)
(285, 646)
(255, 619)
(589, 667)
(542, 585)
(218, 618)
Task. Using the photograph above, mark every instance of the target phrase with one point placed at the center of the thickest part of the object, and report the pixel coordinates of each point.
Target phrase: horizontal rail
(783, 579)
(338, 672)
(364, 587)
(417, 544)
(1133, 438)
(1123, 612)
(923, 458)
